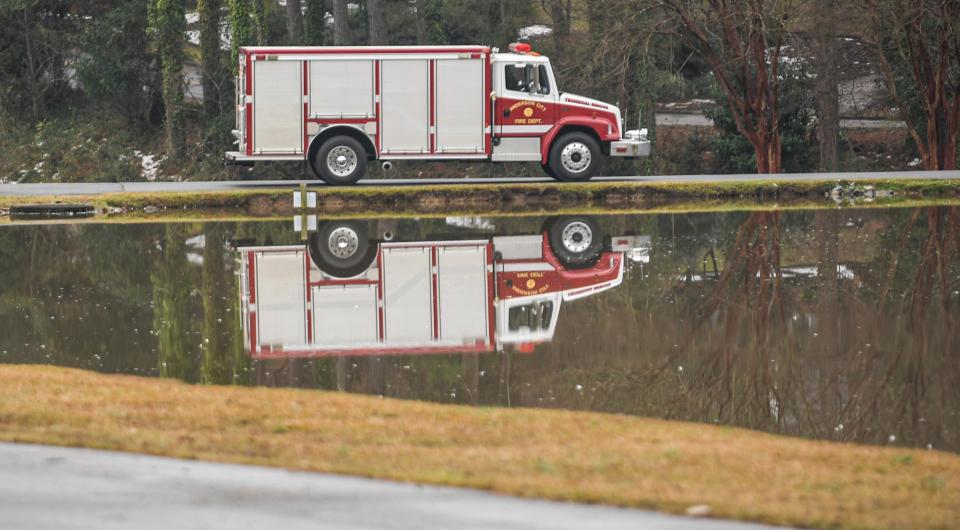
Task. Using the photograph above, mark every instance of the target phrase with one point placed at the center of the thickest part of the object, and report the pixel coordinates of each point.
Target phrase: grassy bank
(563, 455)
(506, 198)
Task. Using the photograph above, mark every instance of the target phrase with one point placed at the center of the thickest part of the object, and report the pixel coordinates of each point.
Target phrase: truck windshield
(533, 317)
(528, 78)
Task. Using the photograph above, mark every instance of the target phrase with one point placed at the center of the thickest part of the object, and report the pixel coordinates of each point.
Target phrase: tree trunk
(32, 66)
(341, 24)
(210, 63)
(315, 23)
(421, 22)
(377, 32)
(216, 362)
(241, 29)
(828, 100)
(294, 22)
(171, 33)
(259, 22)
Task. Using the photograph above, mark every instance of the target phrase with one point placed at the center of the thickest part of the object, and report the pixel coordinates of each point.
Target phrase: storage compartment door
(278, 107)
(407, 296)
(341, 89)
(460, 106)
(345, 316)
(463, 292)
(281, 299)
(405, 95)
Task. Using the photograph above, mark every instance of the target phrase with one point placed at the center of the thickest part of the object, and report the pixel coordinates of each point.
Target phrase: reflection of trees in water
(172, 312)
(811, 354)
(791, 335)
(224, 360)
(748, 291)
(74, 296)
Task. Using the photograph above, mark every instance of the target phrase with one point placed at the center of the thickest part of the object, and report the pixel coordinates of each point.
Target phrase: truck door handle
(506, 112)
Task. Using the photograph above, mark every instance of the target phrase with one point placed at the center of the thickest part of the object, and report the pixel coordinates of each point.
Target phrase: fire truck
(338, 108)
(344, 294)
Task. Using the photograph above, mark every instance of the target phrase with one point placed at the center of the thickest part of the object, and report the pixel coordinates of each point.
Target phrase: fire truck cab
(343, 294)
(339, 108)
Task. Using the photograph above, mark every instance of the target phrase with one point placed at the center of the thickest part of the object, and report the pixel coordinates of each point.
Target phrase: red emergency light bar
(520, 47)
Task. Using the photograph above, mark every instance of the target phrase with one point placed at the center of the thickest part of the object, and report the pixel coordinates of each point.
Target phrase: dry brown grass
(576, 456)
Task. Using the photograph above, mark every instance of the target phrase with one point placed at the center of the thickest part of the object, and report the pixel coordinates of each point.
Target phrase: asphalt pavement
(45, 487)
(47, 189)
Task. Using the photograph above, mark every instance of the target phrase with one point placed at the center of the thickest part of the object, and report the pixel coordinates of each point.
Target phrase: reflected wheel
(576, 241)
(342, 249)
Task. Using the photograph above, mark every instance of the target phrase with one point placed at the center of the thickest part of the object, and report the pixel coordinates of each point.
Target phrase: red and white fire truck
(343, 294)
(340, 107)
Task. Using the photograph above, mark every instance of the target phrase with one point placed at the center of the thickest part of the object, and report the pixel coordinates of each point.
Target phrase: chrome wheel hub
(576, 237)
(575, 157)
(343, 242)
(342, 161)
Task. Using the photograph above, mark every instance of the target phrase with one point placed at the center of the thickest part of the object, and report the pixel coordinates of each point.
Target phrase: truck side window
(544, 80)
(521, 317)
(528, 78)
(514, 78)
(533, 317)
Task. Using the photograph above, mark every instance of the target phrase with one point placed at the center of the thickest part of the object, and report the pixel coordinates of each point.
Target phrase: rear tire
(340, 161)
(576, 241)
(575, 157)
(342, 249)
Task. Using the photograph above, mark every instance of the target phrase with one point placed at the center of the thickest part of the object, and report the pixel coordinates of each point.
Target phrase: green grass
(563, 455)
(476, 199)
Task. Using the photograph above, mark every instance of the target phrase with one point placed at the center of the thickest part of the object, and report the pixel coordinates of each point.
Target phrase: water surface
(830, 324)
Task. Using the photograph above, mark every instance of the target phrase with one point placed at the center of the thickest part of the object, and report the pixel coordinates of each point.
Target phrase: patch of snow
(537, 30)
(199, 241)
(192, 17)
(150, 165)
(39, 166)
(193, 35)
(471, 222)
(914, 163)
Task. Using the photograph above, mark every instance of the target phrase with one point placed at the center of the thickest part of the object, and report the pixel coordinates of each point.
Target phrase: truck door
(528, 319)
(525, 109)
(278, 107)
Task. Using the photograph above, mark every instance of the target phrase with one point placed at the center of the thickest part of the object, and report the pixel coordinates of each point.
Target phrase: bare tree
(294, 21)
(341, 25)
(923, 38)
(210, 62)
(377, 33)
(315, 22)
(826, 86)
(421, 22)
(170, 30)
(741, 41)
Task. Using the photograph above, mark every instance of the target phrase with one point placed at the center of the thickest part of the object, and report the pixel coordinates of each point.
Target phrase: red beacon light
(520, 47)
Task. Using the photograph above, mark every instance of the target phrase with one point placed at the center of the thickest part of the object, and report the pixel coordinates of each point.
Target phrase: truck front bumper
(634, 144)
(630, 148)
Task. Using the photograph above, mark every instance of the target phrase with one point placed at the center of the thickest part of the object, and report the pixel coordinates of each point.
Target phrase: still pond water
(833, 324)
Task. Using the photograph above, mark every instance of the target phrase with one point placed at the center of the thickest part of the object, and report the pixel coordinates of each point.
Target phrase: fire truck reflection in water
(343, 293)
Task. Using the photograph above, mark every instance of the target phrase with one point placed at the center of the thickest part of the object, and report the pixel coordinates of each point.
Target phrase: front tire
(340, 161)
(342, 249)
(575, 157)
(576, 241)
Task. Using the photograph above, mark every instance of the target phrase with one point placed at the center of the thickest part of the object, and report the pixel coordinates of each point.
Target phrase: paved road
(153, 187)
(698, 119)
(52, 488)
